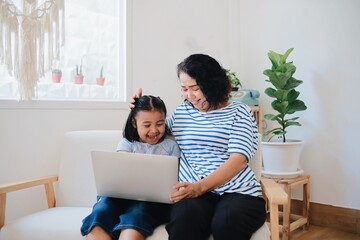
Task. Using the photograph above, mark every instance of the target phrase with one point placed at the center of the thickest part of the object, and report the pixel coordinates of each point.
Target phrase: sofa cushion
(160, 234)
(64, 223)
(54, 223)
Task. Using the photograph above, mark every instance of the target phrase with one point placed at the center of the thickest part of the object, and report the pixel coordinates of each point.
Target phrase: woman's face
(150, 126)
(192, 92)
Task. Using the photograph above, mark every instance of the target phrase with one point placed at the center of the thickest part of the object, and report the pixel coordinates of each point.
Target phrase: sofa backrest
(76, 179)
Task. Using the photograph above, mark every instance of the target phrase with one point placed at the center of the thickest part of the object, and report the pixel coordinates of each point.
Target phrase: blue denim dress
(115, 214)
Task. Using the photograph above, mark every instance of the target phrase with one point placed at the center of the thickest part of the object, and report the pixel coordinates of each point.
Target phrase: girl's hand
(136, 95)
(185, 190)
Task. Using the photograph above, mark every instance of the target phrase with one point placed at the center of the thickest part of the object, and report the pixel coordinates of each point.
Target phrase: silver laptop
(135, 176)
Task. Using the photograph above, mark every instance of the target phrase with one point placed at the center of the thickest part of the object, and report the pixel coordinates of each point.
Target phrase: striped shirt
(207, 139)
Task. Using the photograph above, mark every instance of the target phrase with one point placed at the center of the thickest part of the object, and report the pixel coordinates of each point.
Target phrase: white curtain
(31, 35)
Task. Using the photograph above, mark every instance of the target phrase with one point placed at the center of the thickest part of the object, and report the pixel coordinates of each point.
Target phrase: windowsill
(66, 96)
(63, 104)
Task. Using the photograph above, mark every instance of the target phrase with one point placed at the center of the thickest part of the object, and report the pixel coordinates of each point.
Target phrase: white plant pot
(280, 157)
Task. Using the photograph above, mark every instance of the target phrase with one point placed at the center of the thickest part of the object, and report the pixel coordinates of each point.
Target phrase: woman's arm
(228, 170)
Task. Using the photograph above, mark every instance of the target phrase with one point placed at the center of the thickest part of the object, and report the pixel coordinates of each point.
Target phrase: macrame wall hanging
(30, 40)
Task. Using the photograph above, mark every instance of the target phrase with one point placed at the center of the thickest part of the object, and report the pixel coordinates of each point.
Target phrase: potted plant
(235, 82)
(56, 75)
(79, 77)
(101, 79)
(247, 96)
(280, 154)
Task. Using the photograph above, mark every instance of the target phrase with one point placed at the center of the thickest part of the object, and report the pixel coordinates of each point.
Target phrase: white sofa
(75, 194)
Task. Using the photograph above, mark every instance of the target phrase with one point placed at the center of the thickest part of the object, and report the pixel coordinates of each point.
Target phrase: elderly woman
(217, 192)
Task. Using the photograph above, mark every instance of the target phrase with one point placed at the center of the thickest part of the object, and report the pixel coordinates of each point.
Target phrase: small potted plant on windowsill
(56, 75)
(101, 79)
(79, 77)
(280, 154)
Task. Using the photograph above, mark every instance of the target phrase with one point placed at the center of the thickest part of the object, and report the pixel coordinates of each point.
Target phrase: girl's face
(150, 126)
(192, 92)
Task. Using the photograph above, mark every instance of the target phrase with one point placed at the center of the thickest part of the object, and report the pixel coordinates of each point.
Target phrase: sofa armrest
(275, 195)
(46, 181)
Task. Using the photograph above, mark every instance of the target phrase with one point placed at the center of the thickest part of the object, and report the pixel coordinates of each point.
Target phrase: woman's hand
(185, 190)
(222, 175)
(136, 95)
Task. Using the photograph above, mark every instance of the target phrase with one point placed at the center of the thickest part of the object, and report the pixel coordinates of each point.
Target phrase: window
(94, 43)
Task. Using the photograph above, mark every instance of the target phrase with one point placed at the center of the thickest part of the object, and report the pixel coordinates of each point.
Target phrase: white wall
(238, 33)
(166, 32)
(326, 37)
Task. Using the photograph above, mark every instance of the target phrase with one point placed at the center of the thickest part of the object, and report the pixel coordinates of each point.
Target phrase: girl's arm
(222, 175)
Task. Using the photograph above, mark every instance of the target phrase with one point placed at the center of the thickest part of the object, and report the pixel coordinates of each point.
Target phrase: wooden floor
(322, 233)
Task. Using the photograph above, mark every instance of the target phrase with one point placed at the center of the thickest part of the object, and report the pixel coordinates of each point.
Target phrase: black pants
(229, 216)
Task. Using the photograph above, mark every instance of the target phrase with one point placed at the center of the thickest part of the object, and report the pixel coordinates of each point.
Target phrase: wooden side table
(258, 116)
(293, 221)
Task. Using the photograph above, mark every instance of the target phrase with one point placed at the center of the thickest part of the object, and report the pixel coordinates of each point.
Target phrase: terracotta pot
(56, 77)
(79, 79)
(100, 81)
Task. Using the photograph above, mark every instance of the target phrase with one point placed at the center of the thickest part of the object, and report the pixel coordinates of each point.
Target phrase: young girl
(114, 218)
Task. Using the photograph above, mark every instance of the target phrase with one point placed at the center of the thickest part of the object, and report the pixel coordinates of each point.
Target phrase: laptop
(136, 176)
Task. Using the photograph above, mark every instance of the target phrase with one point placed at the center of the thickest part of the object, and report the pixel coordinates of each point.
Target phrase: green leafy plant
(286, 97)
(235, 82)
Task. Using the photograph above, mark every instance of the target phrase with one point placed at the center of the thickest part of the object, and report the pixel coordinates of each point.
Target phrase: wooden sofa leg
(2, 209)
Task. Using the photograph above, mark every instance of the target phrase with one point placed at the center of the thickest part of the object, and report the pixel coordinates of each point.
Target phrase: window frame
(88, 103)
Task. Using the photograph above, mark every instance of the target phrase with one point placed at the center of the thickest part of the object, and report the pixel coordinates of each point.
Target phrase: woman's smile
(192, 92)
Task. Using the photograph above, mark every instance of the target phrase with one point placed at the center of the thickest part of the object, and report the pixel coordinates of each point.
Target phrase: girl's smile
(150, 126)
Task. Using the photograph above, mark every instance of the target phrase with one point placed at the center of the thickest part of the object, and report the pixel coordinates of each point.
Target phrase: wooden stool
(292, 221)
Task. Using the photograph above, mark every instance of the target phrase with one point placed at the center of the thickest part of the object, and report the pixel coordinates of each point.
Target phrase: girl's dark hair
(210, 77)
(144, 103)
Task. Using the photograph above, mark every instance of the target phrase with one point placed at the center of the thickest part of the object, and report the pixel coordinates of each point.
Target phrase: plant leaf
(287, 53)
(270, 116)
(274, 58)
(281, 95)
(271, 92)
(268, 72)
(279, 80)
(292, 123)
(292, 95)
(292, 119)
(271, 131)
(292, 83)
(279, 106)
(287, 67)
(296, 106)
